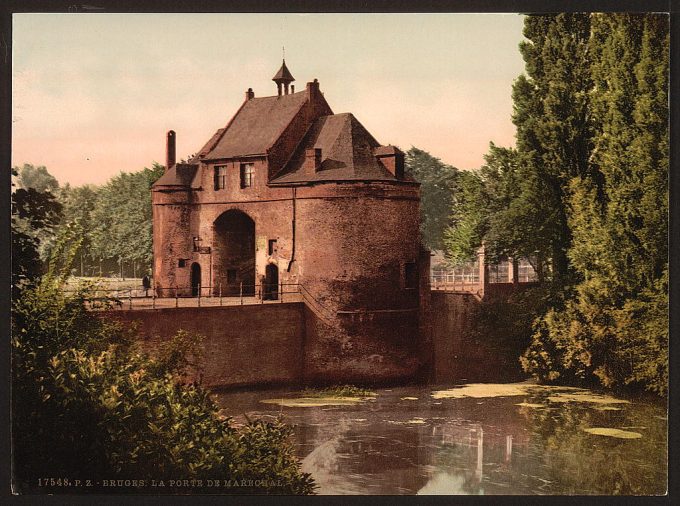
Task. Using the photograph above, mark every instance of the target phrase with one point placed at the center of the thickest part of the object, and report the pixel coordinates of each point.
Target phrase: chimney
(392, 159)
(169, 150)
(312, 160)
(250, 94)
(312, 88)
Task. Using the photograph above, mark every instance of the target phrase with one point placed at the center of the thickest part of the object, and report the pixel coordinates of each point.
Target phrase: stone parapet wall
(242, 346)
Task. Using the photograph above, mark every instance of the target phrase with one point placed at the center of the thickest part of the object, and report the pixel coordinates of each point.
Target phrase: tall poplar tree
(615, 326)
(551, 105)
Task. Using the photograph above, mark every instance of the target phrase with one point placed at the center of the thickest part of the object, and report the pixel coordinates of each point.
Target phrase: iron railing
(198, 296)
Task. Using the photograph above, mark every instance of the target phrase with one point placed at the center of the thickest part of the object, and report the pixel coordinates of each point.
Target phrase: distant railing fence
(472, 278)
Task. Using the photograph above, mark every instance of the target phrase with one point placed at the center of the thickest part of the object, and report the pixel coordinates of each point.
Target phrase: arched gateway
(337, 219)
(234, 254)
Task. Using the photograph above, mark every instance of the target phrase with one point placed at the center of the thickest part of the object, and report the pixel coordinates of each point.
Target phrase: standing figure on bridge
(146, 283)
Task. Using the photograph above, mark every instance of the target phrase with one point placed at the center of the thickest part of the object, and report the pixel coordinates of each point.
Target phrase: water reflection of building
(372, 453)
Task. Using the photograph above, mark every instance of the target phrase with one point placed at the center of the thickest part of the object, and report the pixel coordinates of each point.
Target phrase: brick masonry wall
(243, 345)
(463, 351)
(354, 240)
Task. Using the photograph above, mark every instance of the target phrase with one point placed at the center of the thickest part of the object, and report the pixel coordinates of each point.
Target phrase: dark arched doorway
(234, 254)
(195, 279)
(271, 282)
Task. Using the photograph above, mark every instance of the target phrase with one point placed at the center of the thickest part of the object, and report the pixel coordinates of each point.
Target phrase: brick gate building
(289, 192)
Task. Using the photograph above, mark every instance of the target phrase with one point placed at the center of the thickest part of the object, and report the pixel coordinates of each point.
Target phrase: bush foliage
(87, 401)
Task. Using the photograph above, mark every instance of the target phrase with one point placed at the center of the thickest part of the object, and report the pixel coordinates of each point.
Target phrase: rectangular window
(231, 275)
(410, 275)
(272, 247)
(247, 172)
(220, 177)
(181, 263)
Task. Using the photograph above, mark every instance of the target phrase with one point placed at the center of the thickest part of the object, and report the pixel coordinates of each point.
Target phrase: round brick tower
(359, 260)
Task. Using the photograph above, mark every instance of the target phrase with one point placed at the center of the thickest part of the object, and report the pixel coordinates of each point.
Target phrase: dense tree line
(585, 195)
(114, 220)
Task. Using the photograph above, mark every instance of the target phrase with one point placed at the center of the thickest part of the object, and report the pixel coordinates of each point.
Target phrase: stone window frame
(247, 171)
(220, 177)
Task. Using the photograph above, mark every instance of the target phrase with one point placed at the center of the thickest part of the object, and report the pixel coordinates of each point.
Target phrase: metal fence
(190, 296)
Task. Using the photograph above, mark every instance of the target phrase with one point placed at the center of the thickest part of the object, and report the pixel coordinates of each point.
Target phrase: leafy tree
(122, 218)
(35, 215)
(551, 106)
(437, 183)
(78, 205)
(614, 328)
(469, 218)
(497, 205)
(38, 178)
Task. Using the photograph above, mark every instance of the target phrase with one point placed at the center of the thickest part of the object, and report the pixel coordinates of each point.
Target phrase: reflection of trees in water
(581, 463)
(372, 449)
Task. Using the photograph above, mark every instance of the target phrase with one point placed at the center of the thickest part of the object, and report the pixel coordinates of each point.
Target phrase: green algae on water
(610, 432)
(585, 396)
(312, 402)
(481, 390)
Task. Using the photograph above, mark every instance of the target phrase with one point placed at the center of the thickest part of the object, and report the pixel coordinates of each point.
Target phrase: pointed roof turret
(283, 74)
(283, 77)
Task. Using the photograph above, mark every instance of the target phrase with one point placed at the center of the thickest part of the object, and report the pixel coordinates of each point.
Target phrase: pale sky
(94, 94)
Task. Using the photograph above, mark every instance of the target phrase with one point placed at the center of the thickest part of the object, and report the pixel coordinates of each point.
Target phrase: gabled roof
(256, 126)
(347, 153)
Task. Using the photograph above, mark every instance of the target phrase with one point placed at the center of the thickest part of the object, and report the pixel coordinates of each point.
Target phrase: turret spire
(283, 77)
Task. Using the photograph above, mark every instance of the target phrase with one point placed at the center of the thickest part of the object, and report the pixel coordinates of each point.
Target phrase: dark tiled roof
(180, 174)
(208, 145)
(347, 153)
(283, 74)
(257, 126)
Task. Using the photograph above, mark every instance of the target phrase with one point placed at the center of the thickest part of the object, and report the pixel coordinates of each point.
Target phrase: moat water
(472, 439)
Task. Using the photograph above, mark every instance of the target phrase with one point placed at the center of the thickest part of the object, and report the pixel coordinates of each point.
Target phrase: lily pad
(481, 390)
(311, 402)
(530, 405)
(585, 396)
(610, 432)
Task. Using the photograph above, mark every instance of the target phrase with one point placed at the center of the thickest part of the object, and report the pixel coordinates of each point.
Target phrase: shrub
(89, 403)
(614, 345)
